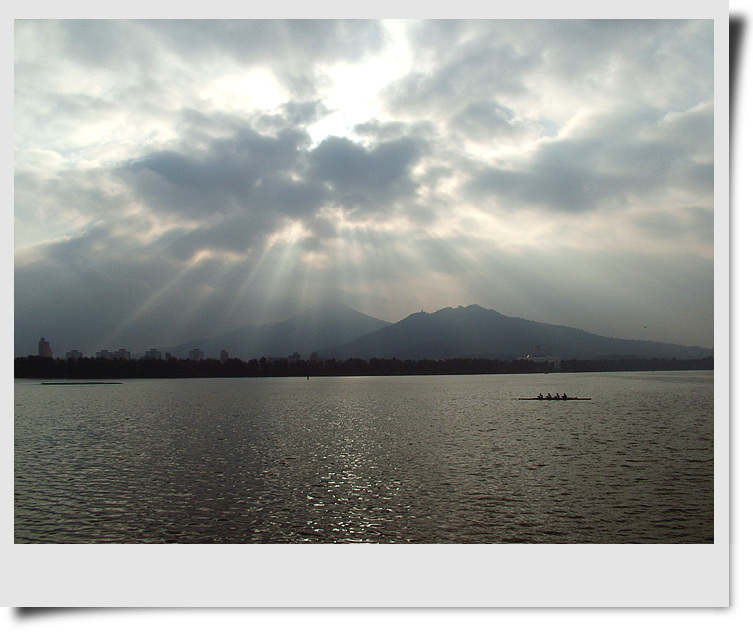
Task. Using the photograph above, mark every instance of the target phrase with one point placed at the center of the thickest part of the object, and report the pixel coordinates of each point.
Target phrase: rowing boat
(554, 399)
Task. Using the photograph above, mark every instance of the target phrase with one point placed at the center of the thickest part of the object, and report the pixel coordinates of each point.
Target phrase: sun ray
(150, 303)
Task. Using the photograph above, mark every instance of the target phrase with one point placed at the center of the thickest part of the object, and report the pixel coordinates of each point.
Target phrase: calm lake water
(448, 459)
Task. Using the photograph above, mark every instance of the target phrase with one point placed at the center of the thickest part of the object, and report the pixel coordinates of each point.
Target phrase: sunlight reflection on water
(404, 459)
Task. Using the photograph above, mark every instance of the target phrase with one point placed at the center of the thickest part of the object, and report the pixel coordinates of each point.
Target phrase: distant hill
(327, 326)
(476, 332)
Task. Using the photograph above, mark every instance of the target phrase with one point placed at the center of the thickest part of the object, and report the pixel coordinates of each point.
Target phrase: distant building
(121, 354)
(296, 357)
(537, 355)
(314, 356)
(153, 354)
(168, 355)
(107, 355)
(196, 354)
(224, 355)
(44, 349)
(75, 354)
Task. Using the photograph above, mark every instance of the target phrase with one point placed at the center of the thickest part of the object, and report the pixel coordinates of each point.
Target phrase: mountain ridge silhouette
(478, 332)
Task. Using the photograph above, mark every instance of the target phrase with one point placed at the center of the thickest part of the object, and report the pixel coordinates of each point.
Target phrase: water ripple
(435, 459)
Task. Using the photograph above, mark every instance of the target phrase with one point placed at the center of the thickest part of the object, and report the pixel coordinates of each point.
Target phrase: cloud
(251, 41)
(214, 169)
(477, 70)
(228, 195)
(292, 49)
(549, 72)
(622, 157)
(366, 178)
(235, 191)
(484, 119)
(684, 225)
(220, 175)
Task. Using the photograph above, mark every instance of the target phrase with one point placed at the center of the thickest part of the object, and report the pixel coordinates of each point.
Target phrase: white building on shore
(538, 355)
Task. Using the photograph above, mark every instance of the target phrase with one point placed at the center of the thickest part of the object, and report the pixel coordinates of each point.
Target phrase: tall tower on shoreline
(44, 349)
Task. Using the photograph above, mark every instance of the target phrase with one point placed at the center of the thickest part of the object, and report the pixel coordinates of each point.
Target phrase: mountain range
(316, 328)
(339, 332)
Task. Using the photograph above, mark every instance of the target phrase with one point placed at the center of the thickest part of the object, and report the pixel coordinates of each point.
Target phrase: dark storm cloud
(562, 177)
(366, 178)
(295, 114)
(233, 234)
(238, 172)
(305, 112)
(381, 130)
(241, 188)
(263, 213)
(390, 130)
(275, 174)
(482, 119)
(555, 184)
(618, 157)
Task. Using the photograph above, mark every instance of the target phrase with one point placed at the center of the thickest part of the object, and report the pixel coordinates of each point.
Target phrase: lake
(420, 459)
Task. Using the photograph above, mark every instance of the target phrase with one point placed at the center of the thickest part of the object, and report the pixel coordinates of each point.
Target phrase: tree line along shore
(35, 367)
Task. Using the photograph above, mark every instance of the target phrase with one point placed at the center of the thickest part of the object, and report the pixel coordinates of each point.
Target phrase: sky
(176, 180)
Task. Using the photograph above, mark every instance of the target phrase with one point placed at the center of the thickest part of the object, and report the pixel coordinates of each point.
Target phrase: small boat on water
(77, 383)
(555, 398)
